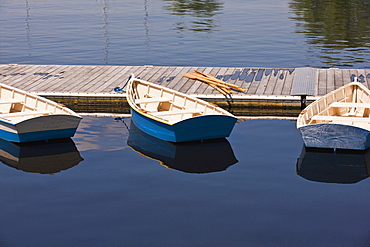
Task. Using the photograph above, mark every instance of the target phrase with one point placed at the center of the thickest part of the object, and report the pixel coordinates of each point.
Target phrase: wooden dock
(261, 84)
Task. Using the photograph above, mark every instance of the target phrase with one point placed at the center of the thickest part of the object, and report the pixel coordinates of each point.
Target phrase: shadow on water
(202, 14)
(191, 157)
(340, 30)
(40, 157)
(343, 166)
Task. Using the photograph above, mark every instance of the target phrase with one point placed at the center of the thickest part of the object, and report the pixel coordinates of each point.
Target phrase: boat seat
(10, 101)
(176, 112)
(350, 104)
(357, 109)
(341, 119)
(152, 100)
(6, 105)
(24, 114)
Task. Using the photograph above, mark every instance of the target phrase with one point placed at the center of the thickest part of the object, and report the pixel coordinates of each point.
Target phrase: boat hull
(40, 128)
(192, 129)
(336, 136)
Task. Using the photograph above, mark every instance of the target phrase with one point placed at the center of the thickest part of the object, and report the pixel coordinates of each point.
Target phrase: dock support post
(303, 101)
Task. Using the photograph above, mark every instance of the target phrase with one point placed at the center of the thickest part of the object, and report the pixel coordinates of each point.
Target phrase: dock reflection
(40, 157)
(343, 166)
(191, 157)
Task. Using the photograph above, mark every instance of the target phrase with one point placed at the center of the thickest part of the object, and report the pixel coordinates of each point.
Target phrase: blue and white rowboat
(25, 117)
(173, 116)
(338, 120)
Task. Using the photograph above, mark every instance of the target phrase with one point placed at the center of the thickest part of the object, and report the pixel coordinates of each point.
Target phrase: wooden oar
(211, 77)
(221, 90)
(202, 78)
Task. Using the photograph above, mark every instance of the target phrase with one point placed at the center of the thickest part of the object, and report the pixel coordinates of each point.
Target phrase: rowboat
(25, 117)
(173, 116)
(190, 157)
(325, 166)
(40, 157)
(338, 120)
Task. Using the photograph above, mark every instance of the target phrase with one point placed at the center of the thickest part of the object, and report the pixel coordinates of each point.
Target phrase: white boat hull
(338, 120)
(25, 117)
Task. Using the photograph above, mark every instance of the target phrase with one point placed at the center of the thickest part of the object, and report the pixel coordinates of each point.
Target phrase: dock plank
(270, 85)
(287, 87)
(280, 82)
(330, 80)
(117, 80)
(42, 77)
(76, 77)
(221, 72)
(367, 72)
(60, 83)
(180, 78)
(161, 76)
(20, 80)
(176, 73)
(321, 86)
(106, 80)
(180, 83)
(204, 86)
(362, 77)
(338, 78)
(251, 81)
(263, 84)
(73, 78)
(194, 89)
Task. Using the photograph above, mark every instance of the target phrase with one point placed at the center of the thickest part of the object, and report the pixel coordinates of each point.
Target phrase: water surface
(229, 33)
(117, 196)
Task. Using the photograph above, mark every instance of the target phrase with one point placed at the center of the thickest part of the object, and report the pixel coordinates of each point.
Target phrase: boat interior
(169, 105)
(16, 106)
(348, 105)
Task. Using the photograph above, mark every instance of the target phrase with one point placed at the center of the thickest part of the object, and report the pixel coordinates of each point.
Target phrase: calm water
(246, 191)
(119, 197)
(242, 33)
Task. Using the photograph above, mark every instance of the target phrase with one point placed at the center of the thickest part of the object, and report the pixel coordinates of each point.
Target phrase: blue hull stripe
(38, 135)
(192, 129)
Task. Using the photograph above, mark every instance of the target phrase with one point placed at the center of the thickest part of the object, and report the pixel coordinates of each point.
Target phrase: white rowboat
(340, 119)
(173, 116)
(25, 117)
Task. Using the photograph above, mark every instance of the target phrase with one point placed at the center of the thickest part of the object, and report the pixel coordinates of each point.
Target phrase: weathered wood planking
(103, 79)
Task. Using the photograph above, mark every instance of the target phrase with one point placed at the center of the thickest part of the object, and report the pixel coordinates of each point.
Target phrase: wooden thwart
(175, 112)
(350, 104)
(10, 101)
(22, 114)
(339, 118)
(152, 100)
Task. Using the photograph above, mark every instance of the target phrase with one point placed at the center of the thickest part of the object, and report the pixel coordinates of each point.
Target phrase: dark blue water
(244, 191)
(229, 33)
(119, 197)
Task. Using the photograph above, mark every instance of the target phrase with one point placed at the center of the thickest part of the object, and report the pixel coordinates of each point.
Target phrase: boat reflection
(191, 157)
(40, 157)
(343, 166)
